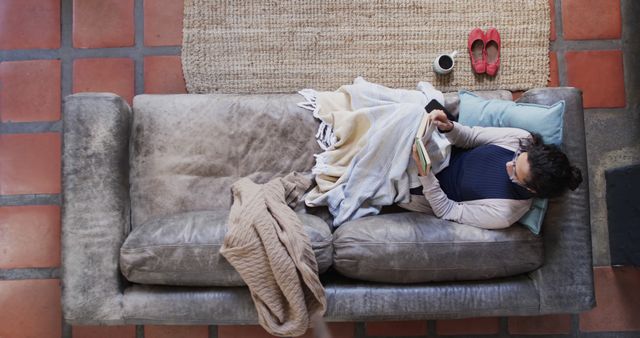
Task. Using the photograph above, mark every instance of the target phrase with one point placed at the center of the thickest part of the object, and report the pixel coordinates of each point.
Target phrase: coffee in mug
(443, 63)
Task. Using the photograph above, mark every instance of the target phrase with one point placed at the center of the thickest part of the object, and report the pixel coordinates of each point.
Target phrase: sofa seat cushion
(184, 249)
(410, 247)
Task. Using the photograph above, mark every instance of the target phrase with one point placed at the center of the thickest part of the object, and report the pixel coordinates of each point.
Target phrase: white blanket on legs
(367, 132)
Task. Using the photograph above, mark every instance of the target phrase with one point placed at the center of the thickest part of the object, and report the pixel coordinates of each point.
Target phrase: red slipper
(492, 51)
(476, 44)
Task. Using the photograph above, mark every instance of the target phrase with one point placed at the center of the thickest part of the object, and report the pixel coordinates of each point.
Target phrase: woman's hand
(438, 117)
(416, 158)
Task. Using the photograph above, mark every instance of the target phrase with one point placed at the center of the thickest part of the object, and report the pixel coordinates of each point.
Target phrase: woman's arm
(469, 137)
(488, 214)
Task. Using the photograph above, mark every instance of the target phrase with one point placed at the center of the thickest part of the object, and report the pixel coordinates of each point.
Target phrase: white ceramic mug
(443, 63)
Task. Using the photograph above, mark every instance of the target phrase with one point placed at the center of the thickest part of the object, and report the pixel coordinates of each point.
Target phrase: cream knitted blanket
(266, 244)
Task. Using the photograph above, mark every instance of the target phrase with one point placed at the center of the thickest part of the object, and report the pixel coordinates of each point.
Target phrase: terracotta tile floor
(114, 75)
(397, 328)
(104, 331)
(53, 48)
(29, 24)
(30, 236)
(163, 22)
(477, 326)
(591, 19)
(103, 23)
(26, 94)
(163, 74)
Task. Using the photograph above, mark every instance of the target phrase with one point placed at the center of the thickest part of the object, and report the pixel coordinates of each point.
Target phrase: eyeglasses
(513, 176)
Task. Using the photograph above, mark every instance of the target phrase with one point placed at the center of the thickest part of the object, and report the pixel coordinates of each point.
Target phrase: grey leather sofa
(174, 154)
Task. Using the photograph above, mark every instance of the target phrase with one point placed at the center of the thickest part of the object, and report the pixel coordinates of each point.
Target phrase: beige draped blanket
(266, 244)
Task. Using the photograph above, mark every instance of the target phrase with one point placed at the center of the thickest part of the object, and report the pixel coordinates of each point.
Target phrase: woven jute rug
(286, 45)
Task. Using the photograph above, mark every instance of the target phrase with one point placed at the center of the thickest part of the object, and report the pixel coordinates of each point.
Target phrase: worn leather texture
(95, 208)
(412, 247)
(184, 249)
(347, 300)
(565, 281)
(187, 150)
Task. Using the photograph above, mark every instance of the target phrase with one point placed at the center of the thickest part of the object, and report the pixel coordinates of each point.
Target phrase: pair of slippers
(484, 49)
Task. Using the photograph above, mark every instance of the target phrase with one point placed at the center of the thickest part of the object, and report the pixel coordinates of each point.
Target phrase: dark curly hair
(551, 173)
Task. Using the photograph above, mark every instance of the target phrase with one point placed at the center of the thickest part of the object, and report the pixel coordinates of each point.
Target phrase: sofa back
(187, 150)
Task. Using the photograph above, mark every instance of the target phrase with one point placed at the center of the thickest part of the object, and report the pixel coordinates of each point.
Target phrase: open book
(424, 134)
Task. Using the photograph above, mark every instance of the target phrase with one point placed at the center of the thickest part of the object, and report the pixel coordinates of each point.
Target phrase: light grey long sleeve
(465, 137)
(484, 213)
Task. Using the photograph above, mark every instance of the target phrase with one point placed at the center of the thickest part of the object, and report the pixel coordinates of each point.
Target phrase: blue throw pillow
(534, 217)
(544, 120)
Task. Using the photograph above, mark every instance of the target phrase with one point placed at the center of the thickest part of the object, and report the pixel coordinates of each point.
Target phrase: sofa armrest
(565, 280)
(95, 207)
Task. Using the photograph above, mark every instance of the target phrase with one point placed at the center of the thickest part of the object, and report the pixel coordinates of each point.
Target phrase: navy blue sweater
(478, 173)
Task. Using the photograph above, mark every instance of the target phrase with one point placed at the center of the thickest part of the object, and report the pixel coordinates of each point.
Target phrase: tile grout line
(138, 57)
(213, 331)
(359, 330)
(139, 331)
(585, 45)
(604, 111)
(575, 325)
(431, 328)
(629, 52)
(503, 328)
(562, 68)
(30, 273)
(67, 330)
(66, 88)
(66, 50)
(29, 54)
(77, 53)
(31, 127)
(30, 200)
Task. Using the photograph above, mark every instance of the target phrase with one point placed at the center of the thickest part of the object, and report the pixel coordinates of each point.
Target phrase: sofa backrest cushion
(187, 150)
(184, 249)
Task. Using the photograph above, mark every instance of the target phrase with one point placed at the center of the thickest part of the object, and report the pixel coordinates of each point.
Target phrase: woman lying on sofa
(492, 176)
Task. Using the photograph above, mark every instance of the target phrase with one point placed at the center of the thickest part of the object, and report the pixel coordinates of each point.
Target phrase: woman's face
(518, 169)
